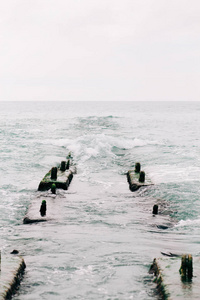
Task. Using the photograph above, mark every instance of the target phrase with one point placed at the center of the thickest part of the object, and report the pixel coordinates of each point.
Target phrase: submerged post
(54, 173)
(43, 208)
(155, 209)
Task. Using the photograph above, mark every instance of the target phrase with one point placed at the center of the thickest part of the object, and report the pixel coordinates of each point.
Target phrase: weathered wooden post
(54, 173)
(43, 208)
(137, 167)
(183, 266)
(155, 209)
(53, 188)
(67, 164)
(190, 267)
(142, 177)
(186, 269)
(63, 166)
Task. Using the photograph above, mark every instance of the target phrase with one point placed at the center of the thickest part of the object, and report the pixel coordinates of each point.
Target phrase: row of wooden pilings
(53, 177)
(12, 267)
(57, 178)
(63, 167)
(136, 179)
(53, 185)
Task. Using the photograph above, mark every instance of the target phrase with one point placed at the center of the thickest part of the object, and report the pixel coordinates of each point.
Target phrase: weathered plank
(53, 211)
(12, 269)
(169, 281)
(62, 181)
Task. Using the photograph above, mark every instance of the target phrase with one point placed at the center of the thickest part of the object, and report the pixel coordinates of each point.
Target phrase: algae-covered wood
(133, 180)
(62, 182)
(12, 268)
(169, 281)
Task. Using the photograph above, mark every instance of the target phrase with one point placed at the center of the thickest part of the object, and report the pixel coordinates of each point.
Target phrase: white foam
(172, 174)
(102, 140)
(188, 222)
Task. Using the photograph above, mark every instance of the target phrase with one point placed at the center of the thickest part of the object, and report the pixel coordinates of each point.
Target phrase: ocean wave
(188, 222)
(94, 145)
(168, 173)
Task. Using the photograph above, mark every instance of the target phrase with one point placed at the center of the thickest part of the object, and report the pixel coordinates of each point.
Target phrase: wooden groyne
(12, 269)
(137, 178)
(59, 176)
(177, 277)
(173, 274)
(34, 214)
(45, 206)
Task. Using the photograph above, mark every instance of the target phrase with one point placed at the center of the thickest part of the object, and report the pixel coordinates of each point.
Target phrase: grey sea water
(104, 238)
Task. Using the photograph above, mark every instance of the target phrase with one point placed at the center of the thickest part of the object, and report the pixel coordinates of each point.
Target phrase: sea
(105, 237)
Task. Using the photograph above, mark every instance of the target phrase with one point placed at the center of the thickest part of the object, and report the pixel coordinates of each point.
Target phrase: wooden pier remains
(12, 269)
(44, 206)
(137, 178)
(59, 176)
(173, 280)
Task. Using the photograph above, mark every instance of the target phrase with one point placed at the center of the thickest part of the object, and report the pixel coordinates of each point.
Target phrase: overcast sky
(100, 50)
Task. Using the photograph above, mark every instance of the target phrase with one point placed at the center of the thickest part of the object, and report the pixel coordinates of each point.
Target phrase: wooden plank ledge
(53, 212)
(62, 181)
(12, 269)
(169, 281)
(133, 180)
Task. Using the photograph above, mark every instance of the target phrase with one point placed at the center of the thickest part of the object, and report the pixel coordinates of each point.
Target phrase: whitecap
(188, 222)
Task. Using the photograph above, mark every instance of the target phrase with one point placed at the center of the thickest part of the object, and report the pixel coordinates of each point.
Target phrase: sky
(99, 50)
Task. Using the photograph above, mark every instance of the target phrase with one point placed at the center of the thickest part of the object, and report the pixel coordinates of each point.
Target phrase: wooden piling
(63, 166)
(186, 269)
(54, 171)
(137, 180)
(142, 177)
(137, 167)
(155, 209)
(68, 164)
(53, 188)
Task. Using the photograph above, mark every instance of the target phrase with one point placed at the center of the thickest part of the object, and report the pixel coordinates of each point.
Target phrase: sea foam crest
(98, 146)
(93, 145)
(188, 222)
(90, 139)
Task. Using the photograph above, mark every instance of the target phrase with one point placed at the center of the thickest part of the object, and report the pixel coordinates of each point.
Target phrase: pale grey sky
(99, 50)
